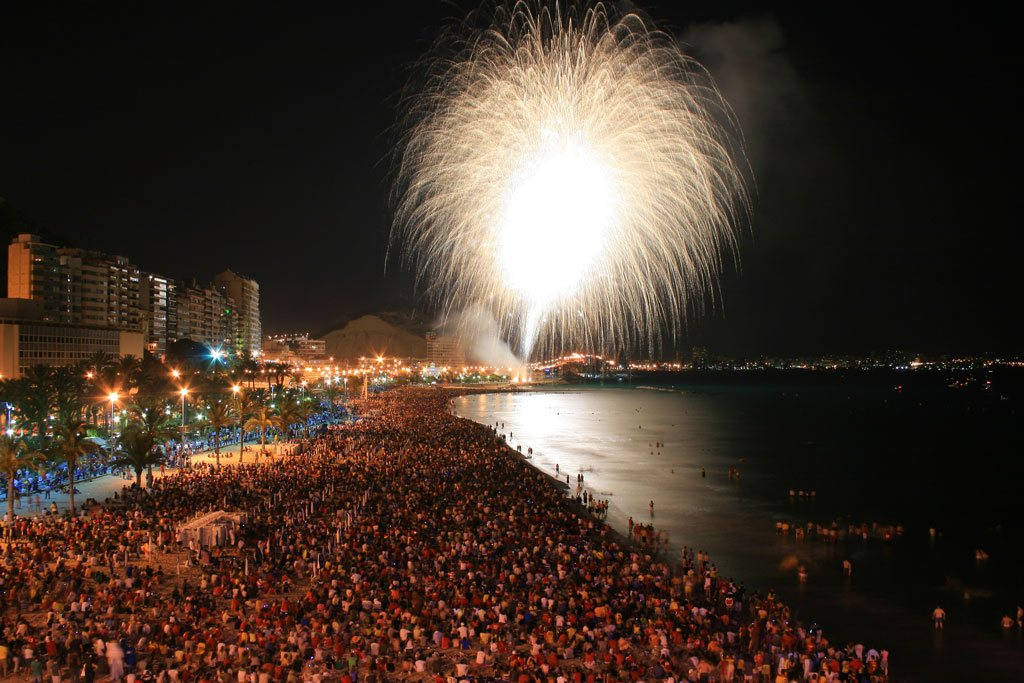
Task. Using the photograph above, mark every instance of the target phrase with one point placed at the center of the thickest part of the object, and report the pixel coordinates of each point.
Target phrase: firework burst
(574, 172)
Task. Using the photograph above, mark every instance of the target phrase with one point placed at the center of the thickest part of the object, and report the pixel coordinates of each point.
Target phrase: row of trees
(57, 416)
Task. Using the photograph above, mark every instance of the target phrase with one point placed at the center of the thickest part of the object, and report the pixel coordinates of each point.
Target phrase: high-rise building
(99, 290)
(158, 305)
(245, 293)
(33, 272)
(89, 288)
(75, 286)
(205, 316)
(445, 351)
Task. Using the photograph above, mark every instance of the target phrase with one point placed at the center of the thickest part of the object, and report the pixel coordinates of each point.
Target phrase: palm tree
(330, 393)
(128, 370)
(304, 410)
(247, 369)
(280, 372)
(37, 397)
(288, 414)
(68, 445)
(98, 363)
(11, 393)
(262, 419)
(150, 417)
(15, 455)
(152, 378)
(69, 390)
(218, 415)
(101, 369)
(137, 449)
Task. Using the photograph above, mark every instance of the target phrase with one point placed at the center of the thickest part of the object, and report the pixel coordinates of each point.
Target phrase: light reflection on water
(778, 439)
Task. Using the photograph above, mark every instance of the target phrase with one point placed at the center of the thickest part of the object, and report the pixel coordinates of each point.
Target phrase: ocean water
(886, 449)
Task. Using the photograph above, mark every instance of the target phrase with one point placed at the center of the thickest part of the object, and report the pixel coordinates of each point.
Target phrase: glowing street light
(113, 396)
(236, 390)
(184, 392)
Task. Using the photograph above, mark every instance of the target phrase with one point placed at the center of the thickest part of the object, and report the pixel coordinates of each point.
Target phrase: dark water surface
(901, 448)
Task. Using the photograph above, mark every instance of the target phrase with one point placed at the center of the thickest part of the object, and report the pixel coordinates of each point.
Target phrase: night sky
(196, 138)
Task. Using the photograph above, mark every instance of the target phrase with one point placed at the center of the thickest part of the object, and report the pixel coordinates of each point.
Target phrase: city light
(113, 396)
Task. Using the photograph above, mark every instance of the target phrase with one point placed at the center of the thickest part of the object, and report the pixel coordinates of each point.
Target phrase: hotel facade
(75, 302)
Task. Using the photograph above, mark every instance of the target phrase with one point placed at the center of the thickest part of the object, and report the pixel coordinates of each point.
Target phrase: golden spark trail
(574, 172)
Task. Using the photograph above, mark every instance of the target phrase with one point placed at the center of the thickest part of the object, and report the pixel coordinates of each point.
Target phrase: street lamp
(236, 389)
(113, 396)
(184, 392)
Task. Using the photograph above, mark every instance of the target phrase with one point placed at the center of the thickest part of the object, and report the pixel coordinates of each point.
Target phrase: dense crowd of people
(55, 478)
(411, 545)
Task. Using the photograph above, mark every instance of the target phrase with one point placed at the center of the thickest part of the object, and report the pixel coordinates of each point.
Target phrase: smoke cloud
(478, 332)
(748, 60)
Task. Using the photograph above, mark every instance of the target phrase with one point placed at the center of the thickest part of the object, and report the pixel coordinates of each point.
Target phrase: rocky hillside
(371, 335)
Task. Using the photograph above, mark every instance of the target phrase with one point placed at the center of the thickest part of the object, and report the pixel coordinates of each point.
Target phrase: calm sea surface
(889, 449)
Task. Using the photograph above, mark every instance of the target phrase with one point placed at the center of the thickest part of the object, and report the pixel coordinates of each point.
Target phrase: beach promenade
(105, 486)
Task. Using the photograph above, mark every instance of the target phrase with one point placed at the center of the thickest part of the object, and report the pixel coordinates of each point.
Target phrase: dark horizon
(882, 147)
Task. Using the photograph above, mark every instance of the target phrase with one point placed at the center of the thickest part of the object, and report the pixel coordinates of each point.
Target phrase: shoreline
(621, 538)
(669, 554)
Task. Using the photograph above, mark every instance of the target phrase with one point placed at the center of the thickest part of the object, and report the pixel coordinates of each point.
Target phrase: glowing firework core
(572, 172)
(556, 221)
